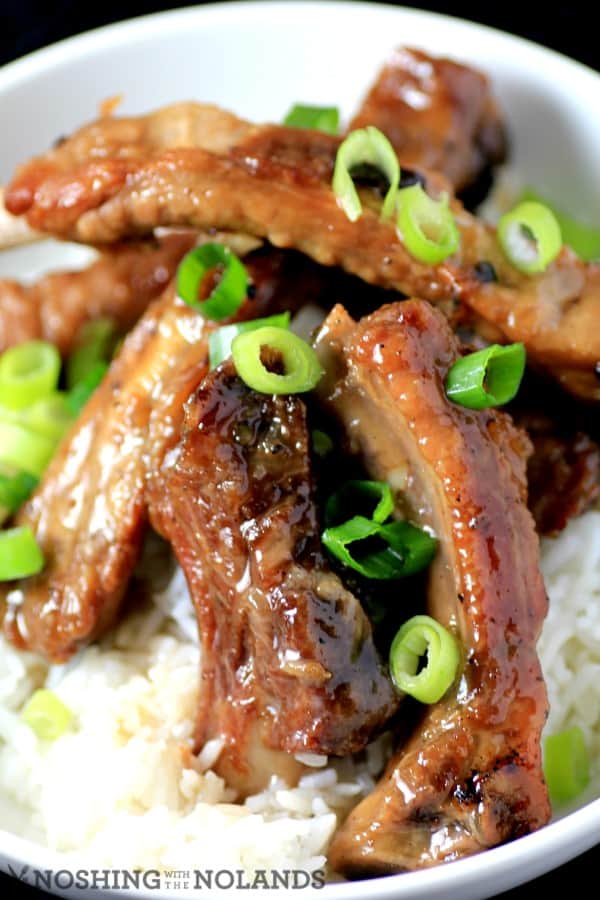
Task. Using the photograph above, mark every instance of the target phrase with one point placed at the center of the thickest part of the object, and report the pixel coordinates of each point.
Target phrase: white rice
(122, 788)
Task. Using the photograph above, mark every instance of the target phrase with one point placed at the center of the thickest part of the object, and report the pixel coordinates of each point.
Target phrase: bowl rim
(580, 828)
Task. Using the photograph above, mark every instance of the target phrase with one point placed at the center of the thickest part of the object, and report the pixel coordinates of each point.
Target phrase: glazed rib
(438, 114)
(470, 776)
(197, 166)
(89, 512)
(289, 662)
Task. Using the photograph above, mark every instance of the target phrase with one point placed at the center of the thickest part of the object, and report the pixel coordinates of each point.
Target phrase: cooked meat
(438, 115)
(564, 479)
(197, 166)
(120, 285)
(555, 314)
(563, 472)
(90, 509)
(470, 776)
(14, 232)
(288, 658)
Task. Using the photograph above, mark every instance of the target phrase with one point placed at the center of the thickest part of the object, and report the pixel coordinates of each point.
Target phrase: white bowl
(257, 59)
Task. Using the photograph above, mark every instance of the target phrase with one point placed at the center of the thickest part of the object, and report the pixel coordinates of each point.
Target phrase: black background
(567, 27)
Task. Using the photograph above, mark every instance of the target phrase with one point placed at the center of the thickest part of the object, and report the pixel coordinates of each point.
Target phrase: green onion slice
(566, 765)
(583, 239)
(20, 555)
(24, 449)
(96, 342)
(302, 369)
(370, 499)
(489, 377)
(228, 293)
(81, 393)
(28, 372)
(51, 416)
(418, 636)
(321, 118)
(321, 442)
(379, 551)
(530, 237)
(15, 488)
(47, 715)
(219, 342)
(427, 226)
(365, 147)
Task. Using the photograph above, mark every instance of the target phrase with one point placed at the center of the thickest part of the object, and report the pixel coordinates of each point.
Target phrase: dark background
(567, 27)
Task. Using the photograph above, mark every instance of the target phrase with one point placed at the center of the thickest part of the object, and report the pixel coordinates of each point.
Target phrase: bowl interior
(257, 59)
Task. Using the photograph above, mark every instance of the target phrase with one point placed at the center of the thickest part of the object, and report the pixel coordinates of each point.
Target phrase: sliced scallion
(24, 449)
(321, 442)
(215, 261)
(219, 342)
(419, 636)
(530, 237)
(95, 343)
(50, 416)
(365, 147)
(380, 552)
(321, 118)
(302, 369)
(427, 226)
(583, 239)
(15, 488)
(28, 372)
(566, 765)
(370, 499)
(81, 393)
(489, 377)
(20, 555)
(47, 715)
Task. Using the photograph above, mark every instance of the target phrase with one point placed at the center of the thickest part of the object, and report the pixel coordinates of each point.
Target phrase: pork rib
(470, 777)
(197, 166)
(289, 662)
(438, 114)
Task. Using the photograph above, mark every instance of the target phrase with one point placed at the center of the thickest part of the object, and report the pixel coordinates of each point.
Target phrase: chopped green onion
(95, 343)
(228, 293)
(47, 715)
(321, 118)
(566, 765)
(489, 377)
(219, 342)
(406, 549)
(583, 239)
(418, 636)
(20, 555)
(81, 393)
(28, 372)
(370, 499)
(427, 226)
(51, 416)
(301, 365)
(321, 443)
(365, 147)
(23, 448)
(14, 491)
(530, 237)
